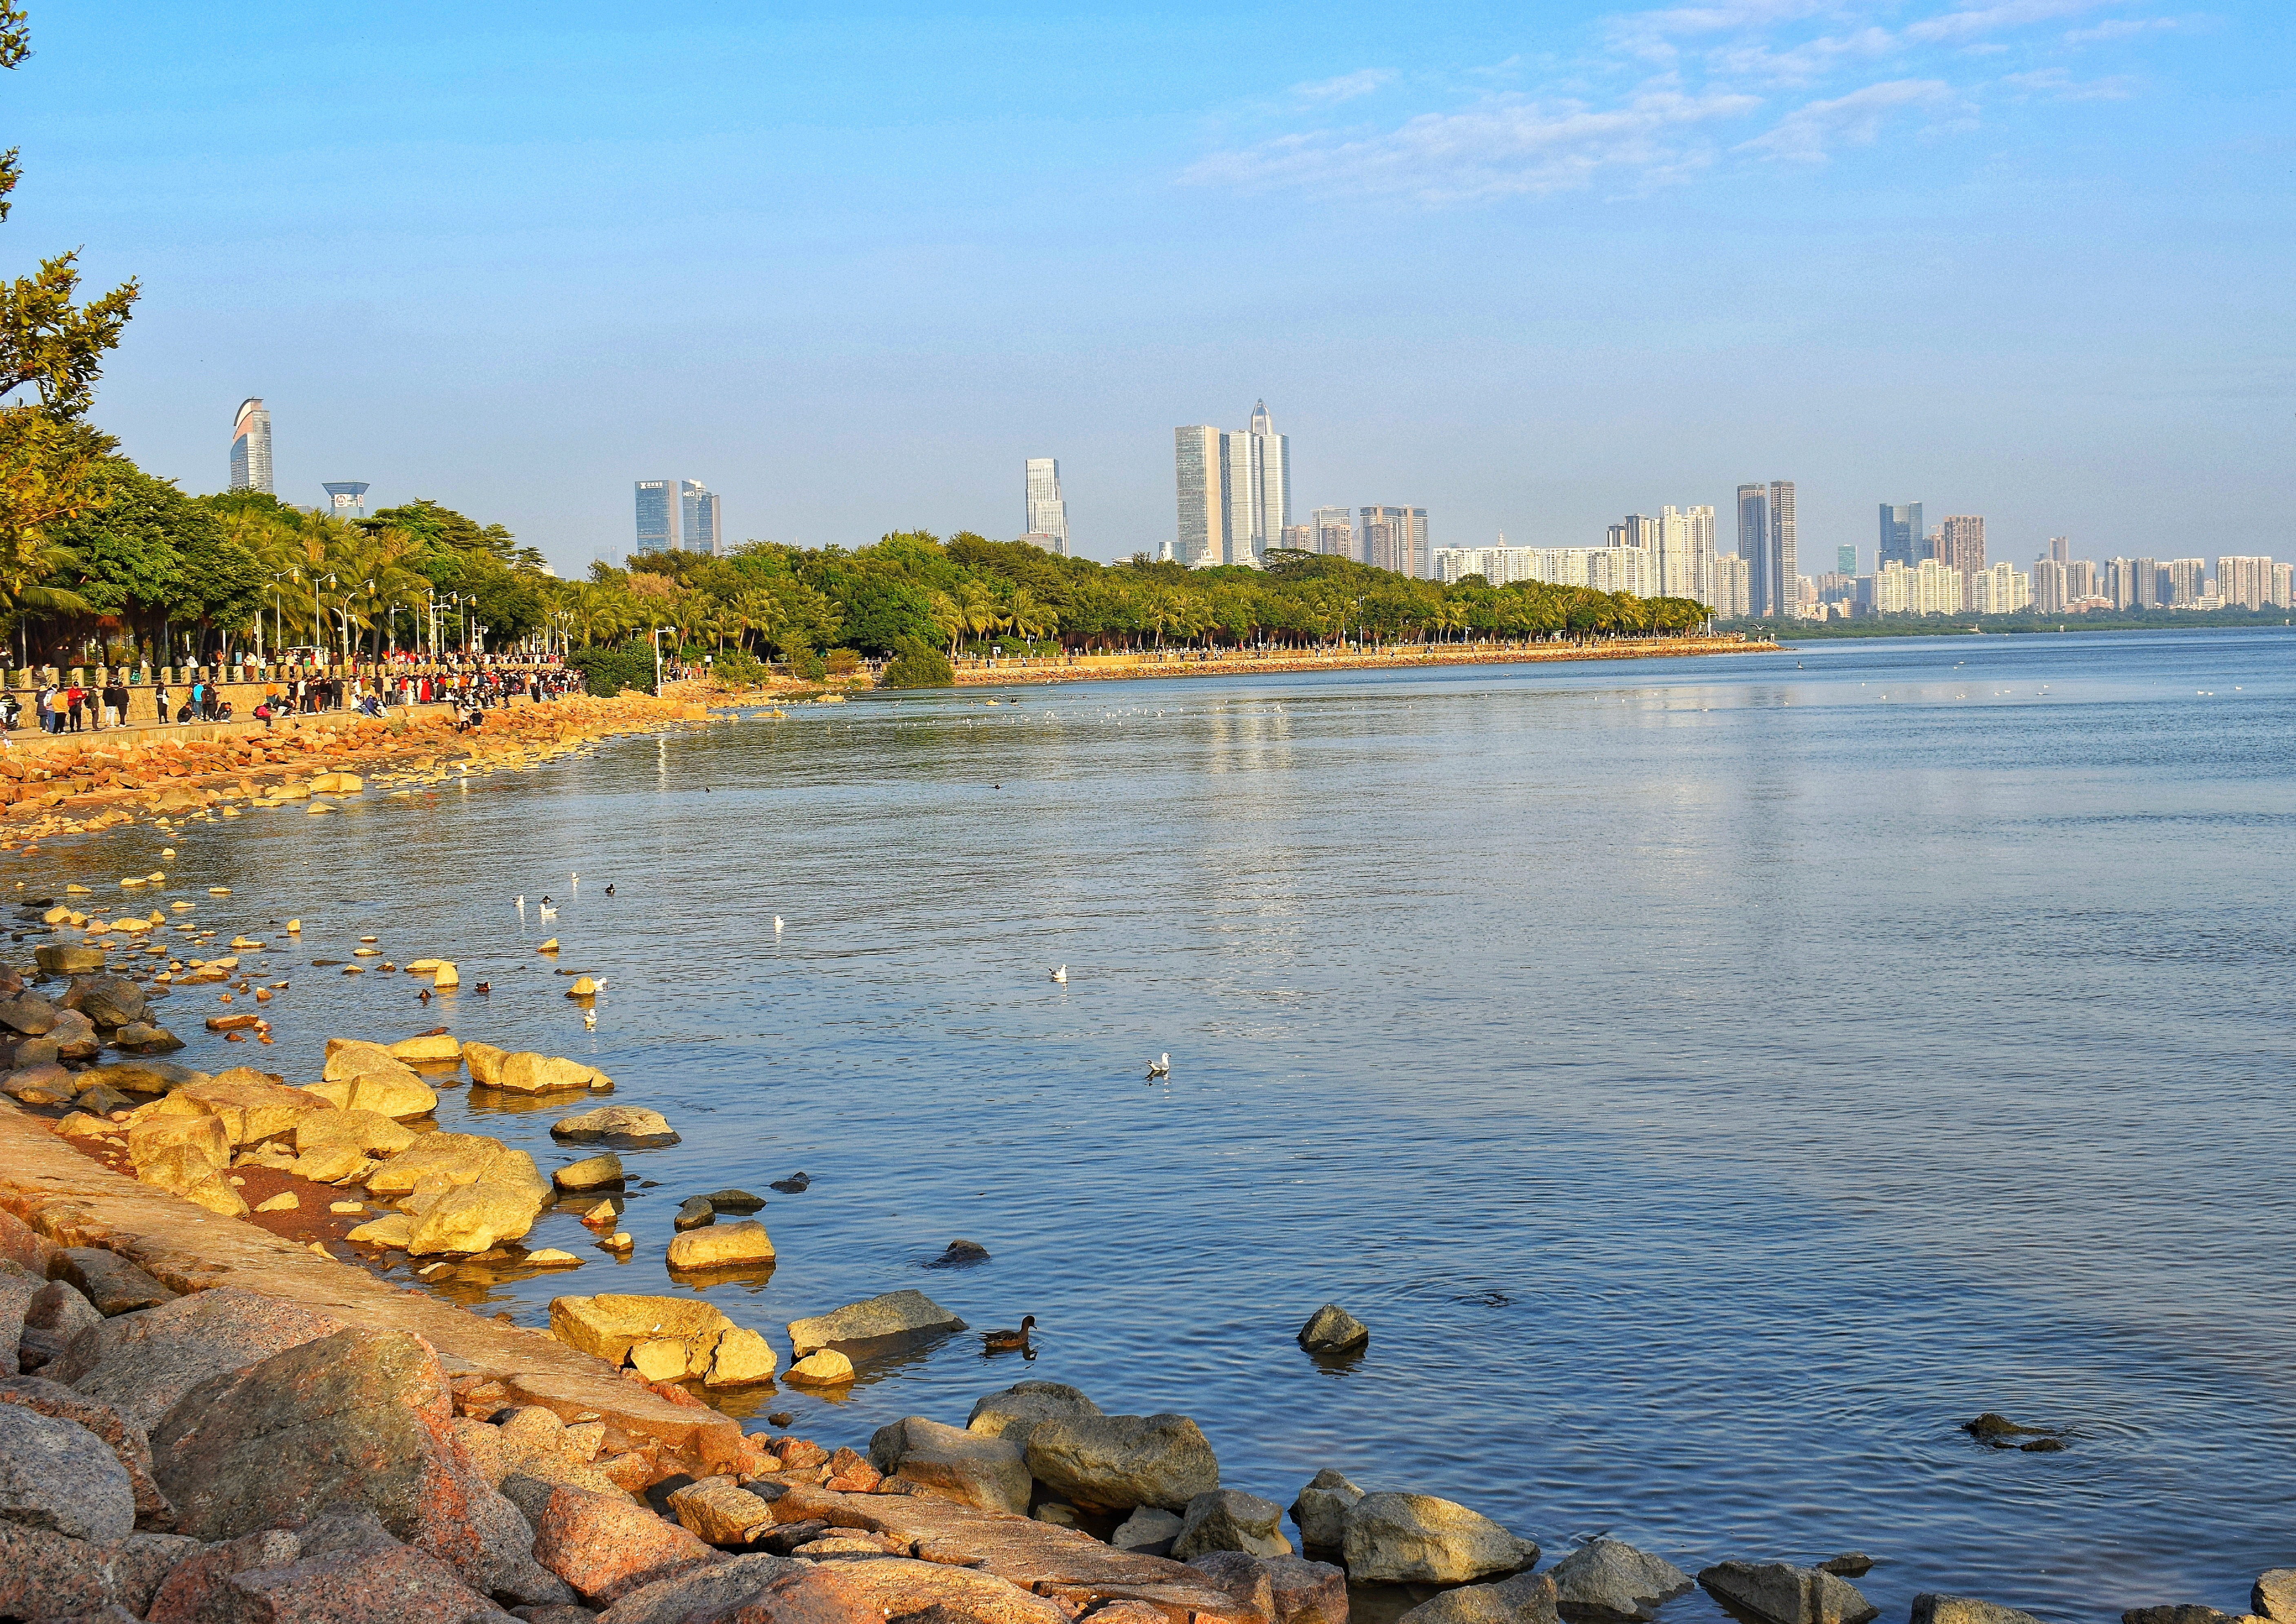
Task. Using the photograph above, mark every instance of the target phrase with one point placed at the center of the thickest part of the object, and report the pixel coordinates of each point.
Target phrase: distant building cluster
(250, 464)
(679, 516)
(1235, 491)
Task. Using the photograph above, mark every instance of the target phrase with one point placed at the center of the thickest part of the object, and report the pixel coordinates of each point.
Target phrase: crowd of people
(472, 687)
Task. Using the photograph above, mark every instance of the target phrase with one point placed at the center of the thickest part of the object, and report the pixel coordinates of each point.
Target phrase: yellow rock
(69, 890)
(135, 882)
(550, 1257)
(446, 977)
(284, 1202)
(826, 1367)
(317, 806)
(346, 1206)
(549, 947)
(213, 891)
(583, 988)
(429, 1046)
(294, 926)
(660, 1358)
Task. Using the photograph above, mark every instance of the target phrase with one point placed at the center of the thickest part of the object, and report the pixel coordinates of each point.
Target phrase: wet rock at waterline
(1320, 1511)
(2274, 1595)
(623, 1127)
(1932, 1608)
(1779, 1592)
(722, 1246)
(1850, 1564)
(1114, 1463)
(1608, 1582)
(1528, 1598)
(1229, 1520)
(1333, 1330)
(966, 1467)
(1014, 1413)
(693, 1213)
(740, 1202)
(1415, 1539)
(1998, 1432)
(600, 1172)
(794, 1185)
(961, 1254)
(906, 1317)
(823, 1367)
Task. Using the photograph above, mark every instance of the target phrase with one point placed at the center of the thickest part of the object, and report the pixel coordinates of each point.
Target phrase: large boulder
(57, 1312)
(1933, 1608)
(400, 1096)
(199, 1589)
(529, 1073)
(955, 1464)
(346, 1566)
(18, 1287)
(126, 1440)
(718, 1591)
(1320, 1511)
(1013, 1414)
(28, 1014)
(1333, 1330)
(107, 1280)
(1113, 1463)
(452, 1159)
(68, 958)
(1528, 1598)
(603, 1171)
(108, 1000)
(1780, 1593)
(717, 1512)
(58, 1476)
(142, 1364)
(360, 1416)
(500, 1206)
(250, 1106)
(623, 1127)
(2274, 1595)
(610, 1323)
(140, 1076)
(722, 1246)
(1608, 1582)
(350, 1057)
(739, 1357)
(1230, 1520)
(607, 1548)
(369, 1133)
(431, 1048)
(895, 1319)
(54, 1576)
(1417, 1539)
(864, 1591)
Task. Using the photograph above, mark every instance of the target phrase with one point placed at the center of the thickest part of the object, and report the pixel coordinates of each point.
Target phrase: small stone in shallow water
(734, 1200)
(1850, 1564)
(694, 1212)
(827, 1367)
(961, 1254)
(794, 1185)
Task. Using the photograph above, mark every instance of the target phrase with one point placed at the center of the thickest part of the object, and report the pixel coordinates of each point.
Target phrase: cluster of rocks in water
(227, 1457)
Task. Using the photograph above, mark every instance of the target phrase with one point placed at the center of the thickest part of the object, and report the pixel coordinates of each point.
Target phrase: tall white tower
(251, 447)
(1048, 515)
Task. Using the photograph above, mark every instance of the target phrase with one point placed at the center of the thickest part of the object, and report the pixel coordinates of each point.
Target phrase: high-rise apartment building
(1047, 513)
(2188, 581)
(1335, 532)
(1754, 545)
(1299, 537)
(1961, 545)
(2081, 580)
(657, 530)
(1780, 582)
(2060, 549)
(1235, 491)
(1845, 561)
(2050, 593)
(699, 529)
(2250, 583)
(1902, 536)
(1730, 601)
(251, 447)
(1396, 538)
(2000, 590)
(2121, 578)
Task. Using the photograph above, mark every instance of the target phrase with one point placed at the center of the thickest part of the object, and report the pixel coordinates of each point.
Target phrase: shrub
(739, 669)
(918, 666)
(841, 662)
(607, 671)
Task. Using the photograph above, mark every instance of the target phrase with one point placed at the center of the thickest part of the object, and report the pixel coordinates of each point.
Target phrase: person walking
(115, 702)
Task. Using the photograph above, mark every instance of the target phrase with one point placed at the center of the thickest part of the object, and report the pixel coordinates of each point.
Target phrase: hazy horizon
(2023, 259)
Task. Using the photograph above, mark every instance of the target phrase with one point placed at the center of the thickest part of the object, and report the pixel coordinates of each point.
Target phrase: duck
(425, 996)
(609, 888)
(1008, 1341)
(483, 987)
(1163, 1068)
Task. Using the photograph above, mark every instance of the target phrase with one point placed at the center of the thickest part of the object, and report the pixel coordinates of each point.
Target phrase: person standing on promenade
(115, 702)
(160, 692)
(74, 698)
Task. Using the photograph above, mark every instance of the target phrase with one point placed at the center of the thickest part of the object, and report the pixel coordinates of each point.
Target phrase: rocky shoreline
(1190, 663)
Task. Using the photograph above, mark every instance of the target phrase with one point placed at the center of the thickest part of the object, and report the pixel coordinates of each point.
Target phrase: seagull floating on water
(548, 912)
(1163, 1068)
(777, 924)
(1061, 975)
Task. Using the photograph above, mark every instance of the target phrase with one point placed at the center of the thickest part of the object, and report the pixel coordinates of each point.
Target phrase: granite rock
(1608, 1582)
(1013, 1414)
(57, 1476)
(142, 1364)
(953, 1462)
(1415, 1539)
(1780, 1593)
(1320, 1511)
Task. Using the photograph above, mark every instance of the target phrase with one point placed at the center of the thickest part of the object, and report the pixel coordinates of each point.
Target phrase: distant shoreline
(1830, 631)
(1175, 662)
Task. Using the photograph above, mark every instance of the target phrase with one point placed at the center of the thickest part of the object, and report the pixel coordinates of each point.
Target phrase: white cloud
(1808, 133)
(1347, 88)
(1507, 147)
(2059, 86)
(2117, 28)
(1974, 22)
(1800, 64)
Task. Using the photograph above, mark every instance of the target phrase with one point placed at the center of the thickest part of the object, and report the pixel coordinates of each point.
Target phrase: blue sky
(1530, 267)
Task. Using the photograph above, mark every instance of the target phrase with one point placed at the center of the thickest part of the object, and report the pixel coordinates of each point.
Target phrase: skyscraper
(656, 516)
(1235, 491)
(1754, 545)
(1961, 545)
(1396, 538)
(699, 530)
(251, 447)
(1901, 535)
(1845, 560)
(1685, 553)
(1335, 532)
(2060, 549)
(1784, 579)
(1048, 515)
(1198, 459)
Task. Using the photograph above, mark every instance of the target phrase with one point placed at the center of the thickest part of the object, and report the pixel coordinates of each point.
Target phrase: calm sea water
(1712, 1080)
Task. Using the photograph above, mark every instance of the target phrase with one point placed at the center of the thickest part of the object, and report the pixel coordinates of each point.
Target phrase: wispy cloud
(1810, 132)
(1504, 148)
(1609, 111)
(1347, 88)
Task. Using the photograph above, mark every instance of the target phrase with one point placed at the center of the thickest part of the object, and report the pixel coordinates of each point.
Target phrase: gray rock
(142, 1364)
(896, 1317)
(1242, 1576)
(54, 1576)
(1528, 1598)
(1320, 1511)
(966, 1467)
(2274, 1595)
(718, 1591)
(107, 1000)
(1229, 1520)
(1783, 1594)
(1932, 1608)
(1850, 1564)
(1013, 1414)
(126, 1440)
(1331, 1329)
(1114, 1463)
(1606, 1580)
(56, 1314)
(18, 1288)
(740, 1202)
(1417, 1539)
(28, 1013)
(693, 1213)
(623, 1127)
(1307, 1592)
(59, 1477)
(2186, 1612)
(1148, 1530)
(74, 1035)
(108, 1280)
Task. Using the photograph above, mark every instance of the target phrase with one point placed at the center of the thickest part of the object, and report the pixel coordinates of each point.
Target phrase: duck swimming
(1008, 1341)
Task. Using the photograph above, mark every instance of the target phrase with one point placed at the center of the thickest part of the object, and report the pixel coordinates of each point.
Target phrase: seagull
(1061, 975)
(590, 1019)
(521, 903)
(575, 881)
(548, 912)
(1163, 1068)
(777, 924)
